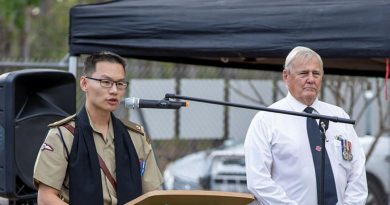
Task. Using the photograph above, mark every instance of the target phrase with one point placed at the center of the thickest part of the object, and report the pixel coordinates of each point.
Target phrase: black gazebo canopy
(352, 36)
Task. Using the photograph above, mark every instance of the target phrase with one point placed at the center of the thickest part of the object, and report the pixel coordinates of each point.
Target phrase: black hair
(91, 61)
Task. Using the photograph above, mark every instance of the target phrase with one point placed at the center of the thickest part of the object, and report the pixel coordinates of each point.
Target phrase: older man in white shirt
(280, 162)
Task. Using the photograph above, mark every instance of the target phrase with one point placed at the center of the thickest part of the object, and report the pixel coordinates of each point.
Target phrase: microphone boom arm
(302, 114)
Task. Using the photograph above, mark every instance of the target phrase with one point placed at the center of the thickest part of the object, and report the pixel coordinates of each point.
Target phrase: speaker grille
(29, 136)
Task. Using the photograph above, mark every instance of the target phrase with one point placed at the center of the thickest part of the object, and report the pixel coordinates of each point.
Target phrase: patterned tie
(313, 131)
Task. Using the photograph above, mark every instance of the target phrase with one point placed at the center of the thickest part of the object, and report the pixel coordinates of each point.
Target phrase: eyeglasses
(105, 83)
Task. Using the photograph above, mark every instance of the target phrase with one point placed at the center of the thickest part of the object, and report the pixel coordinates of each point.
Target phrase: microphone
(134, 103)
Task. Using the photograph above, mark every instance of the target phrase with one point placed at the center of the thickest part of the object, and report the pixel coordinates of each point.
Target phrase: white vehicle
(223, 169)
(378, 169)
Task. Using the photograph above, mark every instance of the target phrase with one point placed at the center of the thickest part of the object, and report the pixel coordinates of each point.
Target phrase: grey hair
(303, 53)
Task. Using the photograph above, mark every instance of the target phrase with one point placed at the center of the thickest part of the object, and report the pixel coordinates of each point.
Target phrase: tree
(15, 24)
(35, 28)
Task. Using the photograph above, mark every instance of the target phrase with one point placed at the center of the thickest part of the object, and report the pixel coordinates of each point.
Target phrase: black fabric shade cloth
(85, 185)
(237, 33)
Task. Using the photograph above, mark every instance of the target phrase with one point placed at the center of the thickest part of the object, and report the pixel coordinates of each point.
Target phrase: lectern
(184, 197)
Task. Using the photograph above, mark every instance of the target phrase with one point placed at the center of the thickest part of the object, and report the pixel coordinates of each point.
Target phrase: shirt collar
(298, 106)
(110, 128)
(91, 123)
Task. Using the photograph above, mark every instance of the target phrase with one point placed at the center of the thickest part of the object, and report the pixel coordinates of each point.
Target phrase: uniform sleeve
(51, 163)
(151, 178)
(356, 191)
(258, 163)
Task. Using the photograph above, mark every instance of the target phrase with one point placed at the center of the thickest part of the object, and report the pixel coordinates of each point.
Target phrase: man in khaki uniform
(82, 160)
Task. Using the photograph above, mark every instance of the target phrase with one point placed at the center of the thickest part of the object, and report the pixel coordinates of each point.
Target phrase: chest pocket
(142, 147)
(102, 164)
(343, 153)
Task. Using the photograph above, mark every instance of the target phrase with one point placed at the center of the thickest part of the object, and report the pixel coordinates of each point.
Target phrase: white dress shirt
(279, 163)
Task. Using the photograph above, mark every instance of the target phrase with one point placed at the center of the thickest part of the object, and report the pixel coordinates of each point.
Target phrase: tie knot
(308, 109)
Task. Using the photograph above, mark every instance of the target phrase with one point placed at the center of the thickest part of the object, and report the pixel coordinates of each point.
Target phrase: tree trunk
(24, 38)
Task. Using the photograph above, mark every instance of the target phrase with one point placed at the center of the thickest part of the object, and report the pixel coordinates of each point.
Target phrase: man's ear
(83, 83)
(285, 74)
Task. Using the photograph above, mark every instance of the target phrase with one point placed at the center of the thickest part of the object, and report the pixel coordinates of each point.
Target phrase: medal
(346, 150)
(350, 156)
(345, 155)
(343, 151)
(349, 150)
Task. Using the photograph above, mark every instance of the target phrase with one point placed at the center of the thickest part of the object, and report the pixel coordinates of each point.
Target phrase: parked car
(223, 169)
(378, 170)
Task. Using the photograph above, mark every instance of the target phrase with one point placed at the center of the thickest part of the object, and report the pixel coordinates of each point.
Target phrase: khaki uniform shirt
(52, 160)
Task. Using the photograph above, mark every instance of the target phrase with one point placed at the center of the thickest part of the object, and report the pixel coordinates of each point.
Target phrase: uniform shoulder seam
(134, 127)
(63, 121)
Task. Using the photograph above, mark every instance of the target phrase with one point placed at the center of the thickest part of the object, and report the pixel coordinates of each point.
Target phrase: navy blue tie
(313, 131)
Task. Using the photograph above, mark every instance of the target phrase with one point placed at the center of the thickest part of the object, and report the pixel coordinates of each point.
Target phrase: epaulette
(134, 127)
(63, 121)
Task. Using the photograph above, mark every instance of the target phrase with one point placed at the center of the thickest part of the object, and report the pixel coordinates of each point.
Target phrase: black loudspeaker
(29, 101)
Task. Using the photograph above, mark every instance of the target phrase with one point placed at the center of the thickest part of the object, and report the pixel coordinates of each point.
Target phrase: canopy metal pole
(73, 65)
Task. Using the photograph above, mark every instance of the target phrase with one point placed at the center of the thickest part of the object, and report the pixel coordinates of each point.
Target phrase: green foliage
(35, 28)
(13, 12)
